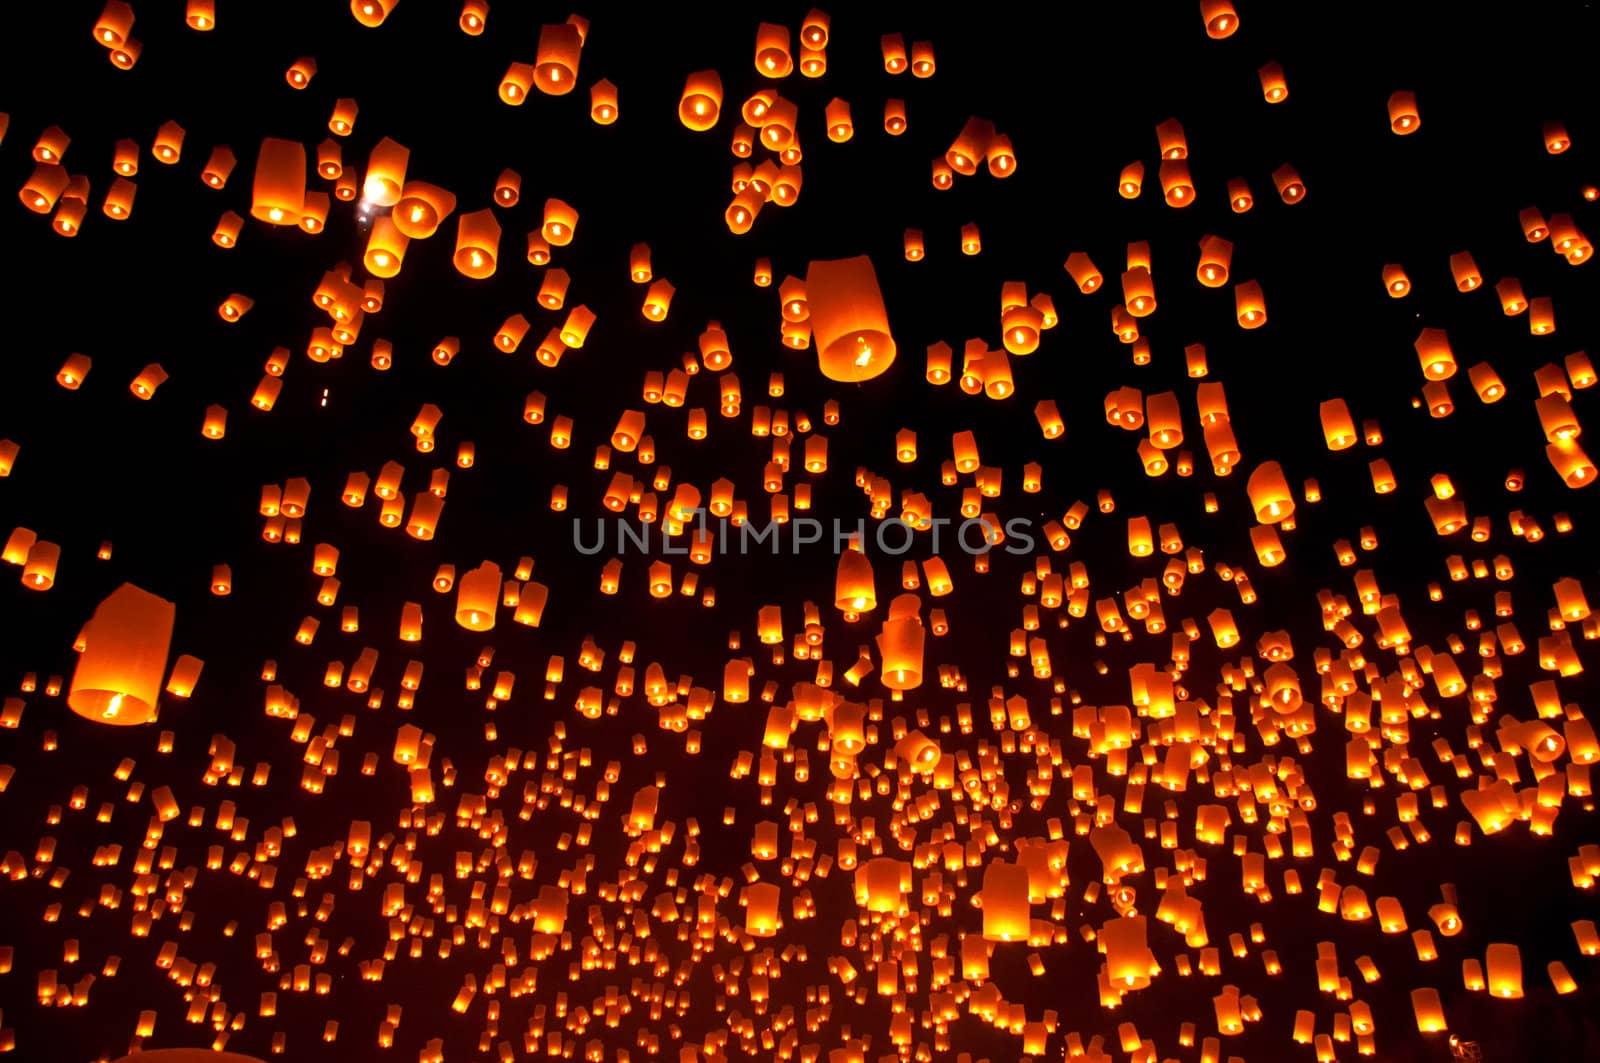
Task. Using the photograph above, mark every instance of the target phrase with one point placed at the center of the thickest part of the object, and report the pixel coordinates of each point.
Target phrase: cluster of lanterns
(962, 819)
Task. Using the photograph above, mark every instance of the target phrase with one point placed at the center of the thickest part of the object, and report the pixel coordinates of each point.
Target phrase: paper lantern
(114, 25)
(371, 13)
(1556, 140)
(837, 118)
(126, 54)
(1571, 463)
(1129, 962)
(1533, 224)
(1216, 255)
(1403, 117)
(1286, 179)
(235, 307)
(119, 674)
(1083, 272)
(386, 173)
(1131, 180)
(900, 644)
(893, 49)
(421, 208)
(168, 145)
(1138, 293)
(1338, 428)
(603, 106)
(201, 15)
(560, 222)
(300, 72)
(386, 248)
(474, 17)
(477, 244)
(1269, 493)
(1465, 271)
(1486, 382)
(39, 565)
(575, 330)
(149, 379)
(1503, 964)
(1176, 185)
(1005, 902)
(848, 319)
(516, 84)
(1433, 351)
(1001, 158)
(1249, 305)
(971, 146)
(1219, 18)
(219, 166)
(1541, 316)
(1239, 197)
(477, 597)
(1428, 1010)
(508, 188)
(278, 193)
(555, 68)
(772, 51)
(700, 105)
(1273, 85)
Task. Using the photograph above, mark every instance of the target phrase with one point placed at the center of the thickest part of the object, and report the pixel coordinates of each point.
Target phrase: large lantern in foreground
(124, 661)
(849, 323)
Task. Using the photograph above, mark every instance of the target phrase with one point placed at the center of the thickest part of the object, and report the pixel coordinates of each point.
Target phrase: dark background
(1079, 89)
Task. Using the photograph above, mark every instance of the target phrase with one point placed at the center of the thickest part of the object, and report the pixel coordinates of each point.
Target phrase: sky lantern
(115, 23)
(1131, 180)
(1403, 117)
(477, 597)
(1273, 85)
(900, 644)
(1005, 901)
(477, 244)
(555, 69)
(371, 13)
(1219, 17)
(474, 17)
(701, 102)
(603, 106)
(119, 675)
(773, 58)
(1250, 305)
(280, 182)
(1286, 179)
(386, 173)
(848, 319)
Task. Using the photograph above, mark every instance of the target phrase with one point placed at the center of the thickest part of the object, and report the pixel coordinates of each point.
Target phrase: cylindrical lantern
(119, 674)
(1403, 117)
(477, 596)
(386, 173)
(555, 68)
(603, 102)
(477, 244)
(279, 192)
(848, 319)
(701, 103)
